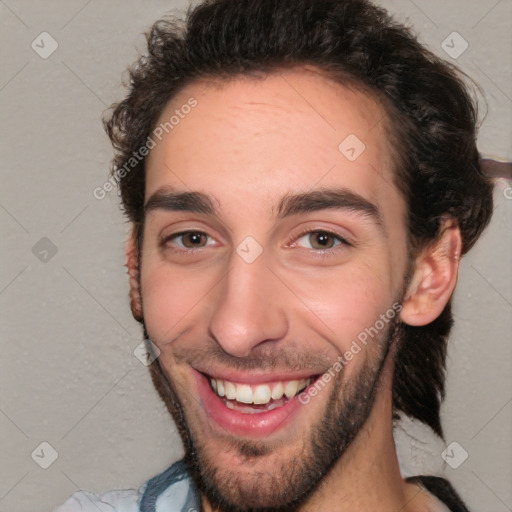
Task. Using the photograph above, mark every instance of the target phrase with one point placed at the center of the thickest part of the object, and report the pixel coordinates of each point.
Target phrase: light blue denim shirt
(171, 491)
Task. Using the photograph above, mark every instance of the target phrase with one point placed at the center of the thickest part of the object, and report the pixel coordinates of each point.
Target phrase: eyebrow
(329, 199)
(169, 200)
(291, 204)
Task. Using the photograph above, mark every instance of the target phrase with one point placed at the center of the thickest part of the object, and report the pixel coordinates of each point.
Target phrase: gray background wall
(68, 375)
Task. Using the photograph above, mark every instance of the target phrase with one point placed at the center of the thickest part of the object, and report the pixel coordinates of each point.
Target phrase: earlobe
(434, 278)
(132, 264)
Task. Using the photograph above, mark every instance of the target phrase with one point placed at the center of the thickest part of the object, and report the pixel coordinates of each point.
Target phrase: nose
(248, 307)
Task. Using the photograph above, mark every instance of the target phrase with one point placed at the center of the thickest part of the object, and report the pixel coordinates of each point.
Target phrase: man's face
(257, 293)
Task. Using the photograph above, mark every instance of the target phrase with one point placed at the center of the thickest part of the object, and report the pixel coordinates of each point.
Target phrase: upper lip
(249, 377)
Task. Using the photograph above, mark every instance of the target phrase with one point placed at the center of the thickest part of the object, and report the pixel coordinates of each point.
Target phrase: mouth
(260, 398)
(251, 409)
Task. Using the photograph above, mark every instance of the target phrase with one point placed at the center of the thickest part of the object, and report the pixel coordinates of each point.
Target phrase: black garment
(442, 490)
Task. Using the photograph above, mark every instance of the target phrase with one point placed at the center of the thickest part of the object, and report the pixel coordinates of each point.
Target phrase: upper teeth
(259, 394)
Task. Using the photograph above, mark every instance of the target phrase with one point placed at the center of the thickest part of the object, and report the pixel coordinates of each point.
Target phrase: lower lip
(260, 424)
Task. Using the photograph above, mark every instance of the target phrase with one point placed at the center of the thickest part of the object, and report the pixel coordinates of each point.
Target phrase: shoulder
(442, 490)
(172, 490)
(112, 501)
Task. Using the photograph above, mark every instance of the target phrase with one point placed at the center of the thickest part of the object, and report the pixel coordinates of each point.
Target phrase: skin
(247, 144)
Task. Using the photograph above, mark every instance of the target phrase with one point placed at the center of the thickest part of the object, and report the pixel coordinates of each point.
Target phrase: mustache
(261, 358)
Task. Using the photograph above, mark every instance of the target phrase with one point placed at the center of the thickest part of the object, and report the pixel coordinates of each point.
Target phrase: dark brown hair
(431, 113)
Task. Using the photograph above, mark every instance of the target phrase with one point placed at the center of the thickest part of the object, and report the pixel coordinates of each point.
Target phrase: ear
(132, 264)
(435, 276)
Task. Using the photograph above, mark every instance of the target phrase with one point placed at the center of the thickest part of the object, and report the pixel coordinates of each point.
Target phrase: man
(302, 179)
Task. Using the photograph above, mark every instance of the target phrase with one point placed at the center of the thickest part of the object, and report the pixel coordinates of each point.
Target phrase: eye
(189, 240)
(321, 240)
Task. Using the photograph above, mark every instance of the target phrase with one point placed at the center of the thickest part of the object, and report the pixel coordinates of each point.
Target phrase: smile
(270, 396)
(252, 409)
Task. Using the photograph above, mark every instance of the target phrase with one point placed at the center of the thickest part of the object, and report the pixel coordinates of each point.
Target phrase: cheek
(348, 303)
(171, 298)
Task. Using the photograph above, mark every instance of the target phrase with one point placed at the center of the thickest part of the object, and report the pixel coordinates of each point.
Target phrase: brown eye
(189, 240)
(320, 240)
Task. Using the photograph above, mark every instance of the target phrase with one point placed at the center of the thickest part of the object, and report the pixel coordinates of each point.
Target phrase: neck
(367, 477)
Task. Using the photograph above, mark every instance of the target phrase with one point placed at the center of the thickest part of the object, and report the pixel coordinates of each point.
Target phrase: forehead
(289, 131)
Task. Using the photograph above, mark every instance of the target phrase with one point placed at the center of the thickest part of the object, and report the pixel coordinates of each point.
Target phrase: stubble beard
(293, 480)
